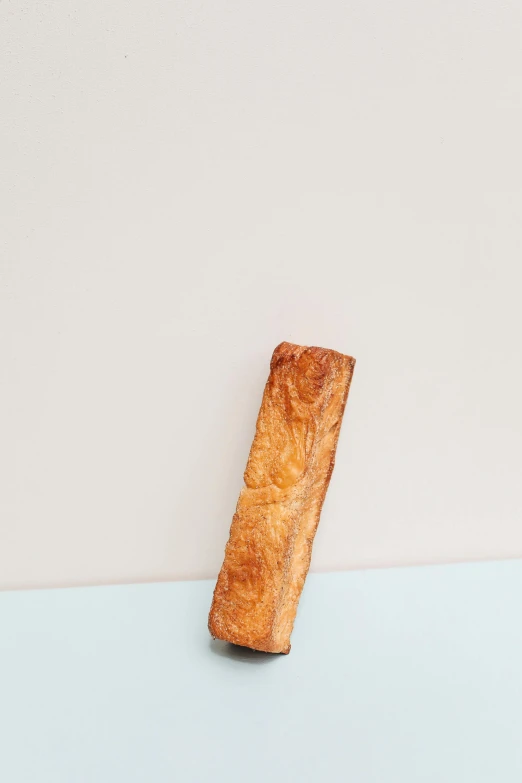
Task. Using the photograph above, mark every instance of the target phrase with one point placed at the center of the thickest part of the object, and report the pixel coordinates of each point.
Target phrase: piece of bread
(288, 471)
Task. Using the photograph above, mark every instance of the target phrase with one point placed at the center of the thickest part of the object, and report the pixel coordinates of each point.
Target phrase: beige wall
(185, 184)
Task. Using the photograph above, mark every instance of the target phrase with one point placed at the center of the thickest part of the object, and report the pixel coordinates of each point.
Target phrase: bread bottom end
(268, 645)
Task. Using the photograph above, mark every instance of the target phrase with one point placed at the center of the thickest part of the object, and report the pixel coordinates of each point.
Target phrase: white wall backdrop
(186, 183)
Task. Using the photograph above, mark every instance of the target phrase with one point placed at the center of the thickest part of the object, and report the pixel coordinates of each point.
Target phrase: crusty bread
(291, 460)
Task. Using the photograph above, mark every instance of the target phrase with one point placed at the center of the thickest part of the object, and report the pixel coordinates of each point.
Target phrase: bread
(288, 471)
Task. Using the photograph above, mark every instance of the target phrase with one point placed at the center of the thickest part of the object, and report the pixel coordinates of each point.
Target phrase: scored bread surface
(288, 471)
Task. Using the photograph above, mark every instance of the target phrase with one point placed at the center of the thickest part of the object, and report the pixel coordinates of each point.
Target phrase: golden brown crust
(288, 471)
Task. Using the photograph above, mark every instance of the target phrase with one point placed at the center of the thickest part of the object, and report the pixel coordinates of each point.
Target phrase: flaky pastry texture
(288, 471)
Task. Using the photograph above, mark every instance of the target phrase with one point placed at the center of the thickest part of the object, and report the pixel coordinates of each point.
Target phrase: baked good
(288, 471)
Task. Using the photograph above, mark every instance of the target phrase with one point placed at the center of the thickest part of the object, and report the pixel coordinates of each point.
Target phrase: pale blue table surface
(395, 676)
